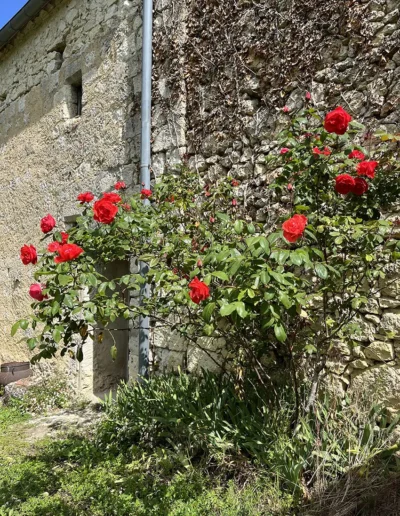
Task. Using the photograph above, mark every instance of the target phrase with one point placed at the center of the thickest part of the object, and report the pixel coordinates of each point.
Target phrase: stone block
(359, 364)
(380, 351)
(379, 383)
(390, 321)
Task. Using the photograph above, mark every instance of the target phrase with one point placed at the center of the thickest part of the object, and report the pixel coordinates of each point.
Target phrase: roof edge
(30, 10)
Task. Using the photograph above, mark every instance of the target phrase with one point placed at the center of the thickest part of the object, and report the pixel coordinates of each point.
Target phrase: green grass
(73, 477)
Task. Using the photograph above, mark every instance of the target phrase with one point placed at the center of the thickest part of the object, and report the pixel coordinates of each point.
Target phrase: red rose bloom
(286, 109)
(356, 154)
(199, 291)
(104, 211)
(360, 186)
(53, 247)
(85, 197)
(47, 223)
(367, 168)
(344, 184)
(145, 193)
(68, 252)
(337, 121)
(111, 197)
(325, 152)
(120, 185)
(284, 150)
(64, 237)
(36, 292)
(28, 255)
(235, 182)
(294, 228)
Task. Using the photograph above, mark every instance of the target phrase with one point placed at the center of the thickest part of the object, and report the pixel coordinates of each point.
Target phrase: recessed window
(76, 95)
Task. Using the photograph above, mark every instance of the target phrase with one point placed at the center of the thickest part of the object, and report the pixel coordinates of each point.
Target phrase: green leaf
(241, 309)
(91, 279)
(227, 309)
(220, 275)
(280, 332)
(296, 258)
(265, 277)
(251, 229)
(64, 279)
(208, 330)
(208, 311)
(238, 227)
(284, 299)
(23, 324)
(222, 216)
(56, 336)
(251, 293)
(321, 270)
(15, 328)
(55, 308)
(265, 245)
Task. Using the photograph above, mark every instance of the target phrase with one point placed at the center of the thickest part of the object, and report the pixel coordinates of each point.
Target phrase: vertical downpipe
(145, 163)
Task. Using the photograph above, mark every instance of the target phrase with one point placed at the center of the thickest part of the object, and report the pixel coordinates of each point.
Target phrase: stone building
(70, 84)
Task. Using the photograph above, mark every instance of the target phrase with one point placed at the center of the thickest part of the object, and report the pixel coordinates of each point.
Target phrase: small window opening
(78, 95)
(76, 98)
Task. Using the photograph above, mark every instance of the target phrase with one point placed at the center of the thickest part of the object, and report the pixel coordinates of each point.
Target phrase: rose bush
(279, 294)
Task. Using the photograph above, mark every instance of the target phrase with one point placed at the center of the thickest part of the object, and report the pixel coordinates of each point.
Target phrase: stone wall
(48, 155)
(223, 72)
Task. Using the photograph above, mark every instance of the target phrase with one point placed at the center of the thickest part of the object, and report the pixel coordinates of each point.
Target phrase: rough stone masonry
(222, 73)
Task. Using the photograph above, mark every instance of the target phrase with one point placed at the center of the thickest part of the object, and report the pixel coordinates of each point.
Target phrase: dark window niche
(76, 95)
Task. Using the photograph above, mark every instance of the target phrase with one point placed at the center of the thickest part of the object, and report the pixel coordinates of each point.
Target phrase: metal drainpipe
(145, 162)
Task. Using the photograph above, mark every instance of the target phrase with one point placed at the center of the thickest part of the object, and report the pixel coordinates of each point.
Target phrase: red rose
(344, 184)
(127, 207)
(36, 292)
(286, 109)
(104, 211)
(68, 252)
(111, 197)
(337, 121)
(120, 185)
(367, 168)
(85, 197)
(360, 186)
(199, 291)
(284, 150)
(235, 182)
(145, 193)
(28, 255)
(308, 95)
(47, 223)
(234, 202)
(212, 220)
(294, 228)
(53, 247)
(325, 152)
(356, 154)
